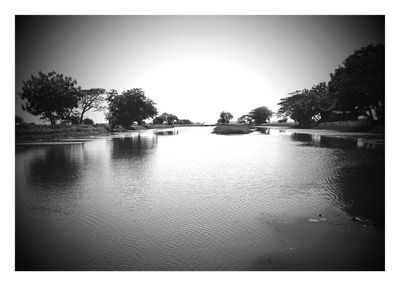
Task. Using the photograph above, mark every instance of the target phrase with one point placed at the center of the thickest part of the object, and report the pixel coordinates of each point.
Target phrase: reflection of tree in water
(335, 142)
(131, 146)
(363, 191)
(360, 186)
(264, 130)
(301, 137)
(57, 169)
(50, 189)
(167, 132)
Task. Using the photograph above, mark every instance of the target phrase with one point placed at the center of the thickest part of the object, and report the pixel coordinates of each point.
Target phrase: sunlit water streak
(186, 199)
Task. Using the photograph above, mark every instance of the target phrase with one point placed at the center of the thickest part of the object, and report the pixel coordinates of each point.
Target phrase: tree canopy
(166, 118)
(305, 106)
(53, 96)
(359, 84)
(245, 119)
(88, 121)
(130, 106)
(261, 114)
(224, 117)
(91, 99)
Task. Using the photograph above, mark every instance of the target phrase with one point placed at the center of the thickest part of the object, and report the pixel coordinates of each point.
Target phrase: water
(186, 199)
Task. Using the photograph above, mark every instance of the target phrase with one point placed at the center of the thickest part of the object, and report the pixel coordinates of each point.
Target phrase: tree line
(55, 97)
(355, 88)
(258, 115)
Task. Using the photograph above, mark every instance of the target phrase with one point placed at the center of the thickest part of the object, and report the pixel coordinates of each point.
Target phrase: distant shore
(26, 133)
(341, 126)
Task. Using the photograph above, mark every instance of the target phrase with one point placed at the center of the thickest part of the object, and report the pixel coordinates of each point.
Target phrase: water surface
(186, 199)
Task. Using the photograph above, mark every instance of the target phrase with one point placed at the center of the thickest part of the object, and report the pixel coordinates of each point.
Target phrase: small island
(231, 129)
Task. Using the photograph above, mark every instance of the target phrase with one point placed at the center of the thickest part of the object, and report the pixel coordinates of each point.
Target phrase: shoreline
(27, 134)
(45, 134)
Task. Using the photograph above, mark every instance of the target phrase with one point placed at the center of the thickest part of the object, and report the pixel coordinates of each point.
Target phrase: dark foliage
(129, 107)
(166, 118)
(261, 114)
(224, 117)
(91, 99)
(359, 85)
(53, 96)
(88, 121)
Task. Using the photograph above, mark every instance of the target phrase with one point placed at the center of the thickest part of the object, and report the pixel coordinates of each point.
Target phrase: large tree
(306, 106)
(261, 114)
(359, 84)
(245, 119)
(53, 96)
(91, 99)
(130, 106)
(224, 117)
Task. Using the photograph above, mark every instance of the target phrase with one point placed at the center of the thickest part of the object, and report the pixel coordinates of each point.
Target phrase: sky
(191, 66)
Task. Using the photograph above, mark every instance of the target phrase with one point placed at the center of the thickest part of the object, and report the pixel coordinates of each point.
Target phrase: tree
(75, 117)
(53, 96)
(91, 99)
(130, 106)
(358, 85)
(171, 119)
(261, 114)
(299, 107)
(88, 121)
(307, 106)
(245, 119)
(224, 117)
(167, 118)
(184, 121)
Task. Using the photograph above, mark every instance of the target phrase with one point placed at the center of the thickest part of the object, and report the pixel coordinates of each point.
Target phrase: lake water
(186, 199)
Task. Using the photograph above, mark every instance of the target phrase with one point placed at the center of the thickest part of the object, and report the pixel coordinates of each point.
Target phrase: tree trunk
(81, 120)
(304, 123)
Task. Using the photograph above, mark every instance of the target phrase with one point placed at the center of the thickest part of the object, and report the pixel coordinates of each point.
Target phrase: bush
(88, 121)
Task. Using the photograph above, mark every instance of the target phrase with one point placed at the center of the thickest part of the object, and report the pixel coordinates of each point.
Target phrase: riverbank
(30, 133)
(340, 126)
(41, 133)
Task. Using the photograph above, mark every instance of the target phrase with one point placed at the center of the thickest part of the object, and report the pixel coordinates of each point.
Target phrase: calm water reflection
(199, 201)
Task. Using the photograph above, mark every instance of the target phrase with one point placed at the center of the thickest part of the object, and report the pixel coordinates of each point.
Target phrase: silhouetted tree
(245, 119)
(184, 121)
(306, 106)
(75, 117)
(166, 118)
(91, 99)
(53, 96)
(130, 106)
(224, 117)
(359, 85)
(261, 114)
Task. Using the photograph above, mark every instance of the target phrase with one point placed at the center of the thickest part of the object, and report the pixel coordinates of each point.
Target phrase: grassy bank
(37, 133)
(342, 126)
(231, 129)
(351, 126)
